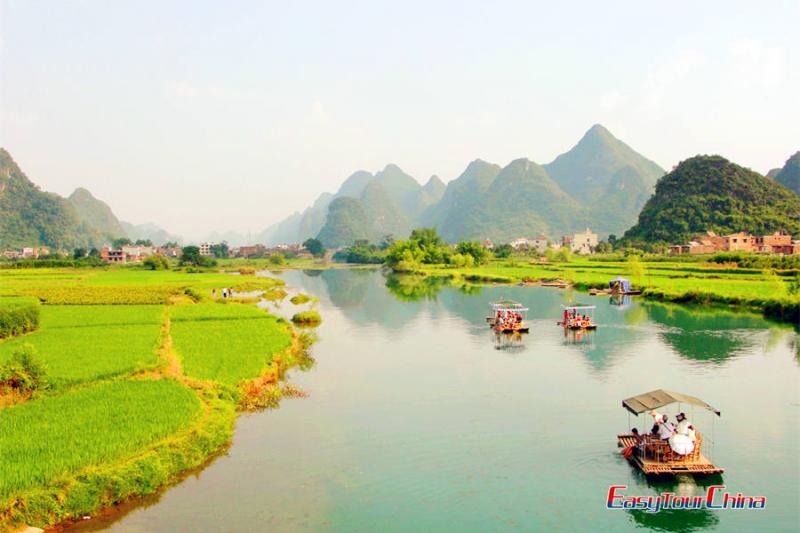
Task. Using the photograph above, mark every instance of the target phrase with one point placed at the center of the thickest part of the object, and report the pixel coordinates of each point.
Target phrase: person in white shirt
(685, 427)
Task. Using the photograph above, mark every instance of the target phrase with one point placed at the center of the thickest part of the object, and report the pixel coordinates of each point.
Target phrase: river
(419, 418)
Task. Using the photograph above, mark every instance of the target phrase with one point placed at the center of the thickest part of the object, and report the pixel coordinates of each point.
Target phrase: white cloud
(668, 76)
(611, 99)
(758, 62)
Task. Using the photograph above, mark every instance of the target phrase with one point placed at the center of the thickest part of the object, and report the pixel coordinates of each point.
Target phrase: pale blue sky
(231, 115)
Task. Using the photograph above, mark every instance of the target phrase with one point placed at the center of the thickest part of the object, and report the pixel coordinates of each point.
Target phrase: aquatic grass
(47, 439)
(307, 318)
(18, 315)
(226, 343)
(300, 299)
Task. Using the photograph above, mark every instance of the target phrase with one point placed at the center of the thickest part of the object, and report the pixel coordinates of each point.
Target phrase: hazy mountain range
(601, 183)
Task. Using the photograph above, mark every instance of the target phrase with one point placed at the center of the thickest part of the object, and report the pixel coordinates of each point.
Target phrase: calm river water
(419, 419)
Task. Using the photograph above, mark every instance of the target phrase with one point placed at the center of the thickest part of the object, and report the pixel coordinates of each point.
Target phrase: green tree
(314, 247)
(143, 242)
(79, 253)
(503, 251)
(156, 262)
(277, 259)
(220, 250)
(119, 243)
(474, 249)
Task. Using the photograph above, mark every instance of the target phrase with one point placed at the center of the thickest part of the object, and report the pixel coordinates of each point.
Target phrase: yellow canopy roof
(659, 398)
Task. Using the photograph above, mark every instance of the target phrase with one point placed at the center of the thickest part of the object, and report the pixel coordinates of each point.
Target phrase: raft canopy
(623, 283)
(659, 398)
(508, 305)
(578, 307)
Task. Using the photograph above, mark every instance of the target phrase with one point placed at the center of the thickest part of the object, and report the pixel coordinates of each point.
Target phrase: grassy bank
(774, 293)
(118, 345)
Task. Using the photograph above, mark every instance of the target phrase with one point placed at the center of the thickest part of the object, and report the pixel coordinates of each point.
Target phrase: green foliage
(156, 262)
(503, 251)
(315, 247)
(23, 372)
(277, 259)
(362, 252)
(190, 256)
(18, 316)
(221, 250)
(710, 193)
(475, 250)
(120, 242)
(300, 299)
(307, 318)
(635, 270)
(423, 247)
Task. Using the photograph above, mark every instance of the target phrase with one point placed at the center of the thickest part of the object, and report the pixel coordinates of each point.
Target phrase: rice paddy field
(95, 431)
(226, 343)
(48, 439)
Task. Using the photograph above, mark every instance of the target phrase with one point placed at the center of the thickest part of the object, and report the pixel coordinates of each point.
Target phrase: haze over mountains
(601, 183)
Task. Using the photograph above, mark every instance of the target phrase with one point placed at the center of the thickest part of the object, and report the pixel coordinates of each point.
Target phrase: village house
(137, 253)
(255, 250)
(777, 243)
(581, 243)
(205, 248)
(739, 242)
(110, 255)
(488, 244)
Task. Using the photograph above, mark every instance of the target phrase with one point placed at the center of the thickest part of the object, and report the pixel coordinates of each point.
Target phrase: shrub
(24, 372)
(300, 299)
(307, 318)
(277, 259)
(247, 271)
(18, 316)
(156, 262)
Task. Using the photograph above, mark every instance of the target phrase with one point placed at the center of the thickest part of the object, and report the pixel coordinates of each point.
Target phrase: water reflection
(509, 342)
(675, 519)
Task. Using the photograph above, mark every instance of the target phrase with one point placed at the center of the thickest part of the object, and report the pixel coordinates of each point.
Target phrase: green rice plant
(226, 343)
(84, 343)
(46, 440)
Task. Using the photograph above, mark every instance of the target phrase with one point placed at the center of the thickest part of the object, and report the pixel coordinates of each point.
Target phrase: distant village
(582, 243)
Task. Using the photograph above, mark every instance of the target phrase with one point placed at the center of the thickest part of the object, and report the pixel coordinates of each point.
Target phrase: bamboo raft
(662, 461)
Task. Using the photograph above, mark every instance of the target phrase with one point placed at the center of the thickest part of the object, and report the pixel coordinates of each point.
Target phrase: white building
(582, 243)
(205, 248)
(538, 244)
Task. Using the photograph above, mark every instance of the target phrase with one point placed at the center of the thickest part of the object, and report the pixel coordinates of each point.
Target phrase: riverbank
(119, 344)
(773, 293)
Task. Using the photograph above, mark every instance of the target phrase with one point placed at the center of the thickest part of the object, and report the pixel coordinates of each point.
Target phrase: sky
(206, 115)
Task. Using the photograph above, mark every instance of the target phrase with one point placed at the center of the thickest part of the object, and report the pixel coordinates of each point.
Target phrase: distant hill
(96, 214)
(149, 231)
(347, 222)
(31, 217)
(709, 193)
(789, 175)
(601, 183)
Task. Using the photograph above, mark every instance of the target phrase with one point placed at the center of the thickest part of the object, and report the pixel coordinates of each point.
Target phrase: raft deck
(651, 467)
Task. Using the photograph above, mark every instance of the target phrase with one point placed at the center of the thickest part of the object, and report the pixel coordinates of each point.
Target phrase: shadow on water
(675, 519)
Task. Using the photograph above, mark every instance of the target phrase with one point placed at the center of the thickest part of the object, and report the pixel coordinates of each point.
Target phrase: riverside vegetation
(91, 358)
